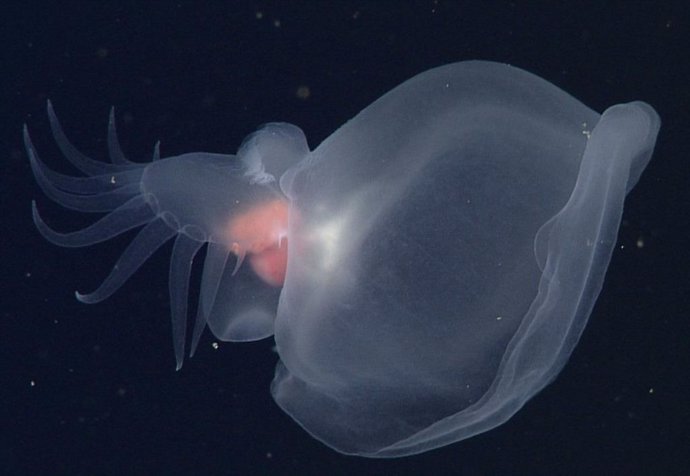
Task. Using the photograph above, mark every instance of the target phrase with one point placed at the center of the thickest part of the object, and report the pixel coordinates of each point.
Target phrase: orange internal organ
(261, 233)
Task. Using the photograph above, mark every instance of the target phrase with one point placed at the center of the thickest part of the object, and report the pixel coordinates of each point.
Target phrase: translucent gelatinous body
(442, 254)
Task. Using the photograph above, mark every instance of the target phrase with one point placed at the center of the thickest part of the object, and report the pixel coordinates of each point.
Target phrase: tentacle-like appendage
(99, 201)
(149, 239)
(134, 213)
(184, 250)
(117, 157)
(156, 151)
(76, 158)
(214, 266)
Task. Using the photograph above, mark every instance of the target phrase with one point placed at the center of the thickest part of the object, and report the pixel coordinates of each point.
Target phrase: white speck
(586, 131)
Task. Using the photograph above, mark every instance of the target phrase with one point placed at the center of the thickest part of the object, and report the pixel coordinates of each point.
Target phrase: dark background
(93, 390)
